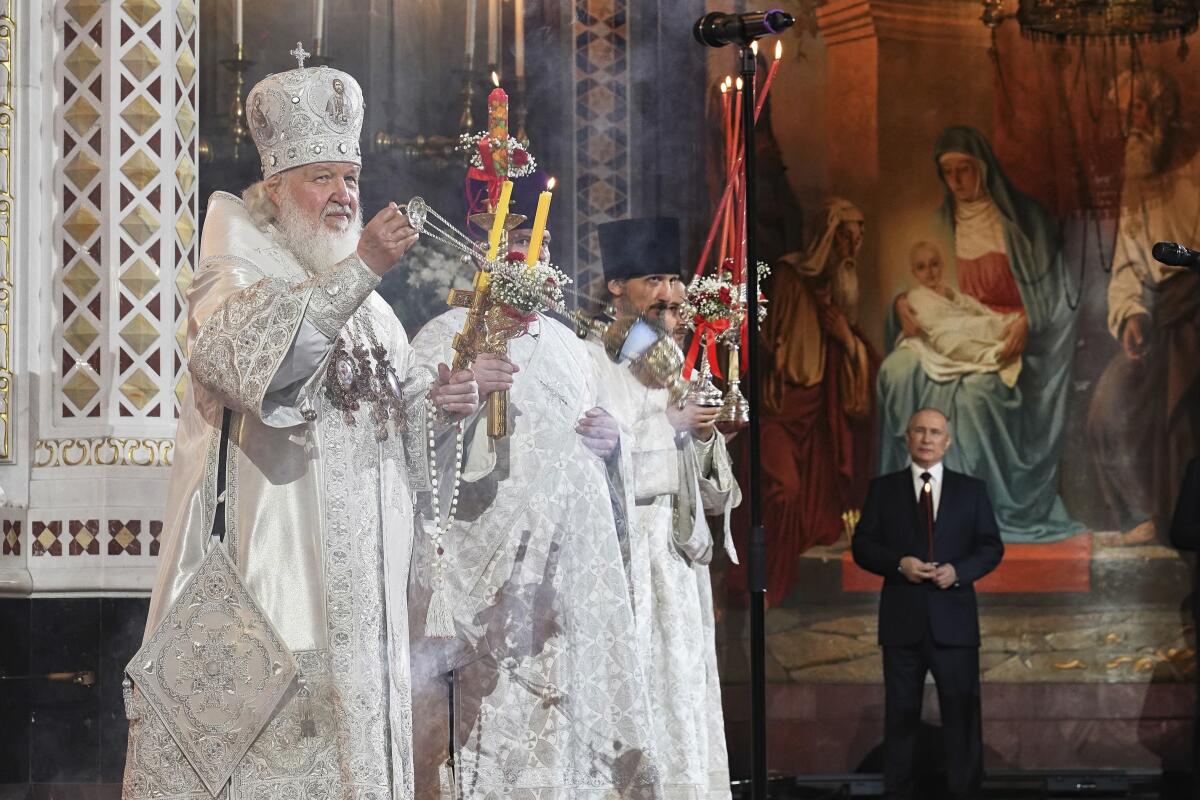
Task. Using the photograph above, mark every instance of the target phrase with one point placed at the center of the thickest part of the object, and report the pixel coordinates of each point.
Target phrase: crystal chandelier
(1087, 19)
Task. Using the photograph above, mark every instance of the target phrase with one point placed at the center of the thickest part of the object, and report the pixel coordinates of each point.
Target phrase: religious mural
(979, 214)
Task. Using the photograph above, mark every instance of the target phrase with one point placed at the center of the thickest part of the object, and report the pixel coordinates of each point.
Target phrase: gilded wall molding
(8, 37)
(104, 451)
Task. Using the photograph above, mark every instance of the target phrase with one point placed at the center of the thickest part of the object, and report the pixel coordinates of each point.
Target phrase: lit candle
(498, 128)
(539, 225)
(762, 97)
(493, 30)
(737, 122)
(501, 212)
(726, 127)
(470, 37)
(519, 35)
(237, 36)
(318, 24)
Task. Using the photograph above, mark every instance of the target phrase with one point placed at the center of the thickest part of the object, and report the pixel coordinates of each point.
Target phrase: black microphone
(1176, 255)
(717, 29)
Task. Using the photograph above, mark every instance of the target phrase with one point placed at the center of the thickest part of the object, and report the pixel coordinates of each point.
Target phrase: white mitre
(304, 116)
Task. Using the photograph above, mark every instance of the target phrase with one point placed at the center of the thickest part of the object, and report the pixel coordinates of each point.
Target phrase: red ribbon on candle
(703, 328)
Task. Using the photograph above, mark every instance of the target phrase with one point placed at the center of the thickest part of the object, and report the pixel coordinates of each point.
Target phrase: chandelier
(1089, 19)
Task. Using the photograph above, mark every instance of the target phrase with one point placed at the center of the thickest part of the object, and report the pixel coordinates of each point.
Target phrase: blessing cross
(300, 54)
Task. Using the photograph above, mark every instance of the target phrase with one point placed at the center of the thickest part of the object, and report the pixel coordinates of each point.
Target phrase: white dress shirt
(935, 479)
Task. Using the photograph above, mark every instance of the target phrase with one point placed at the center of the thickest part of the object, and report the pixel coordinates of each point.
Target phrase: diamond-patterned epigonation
(141, 10)
(81, 225)
(140, 279)
(80, 279)
(141, 115)
(80, 389)
(139, 388)
(140, 169)
(140, 224)
(140, 334)
(81, 170)
(82, 61)
(80, 334)
(140, 61)
(81, 115)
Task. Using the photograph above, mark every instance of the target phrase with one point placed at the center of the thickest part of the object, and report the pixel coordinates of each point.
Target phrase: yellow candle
(539, 224)
(498, 224)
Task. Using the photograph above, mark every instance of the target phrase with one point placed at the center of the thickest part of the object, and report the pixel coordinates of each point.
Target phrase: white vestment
(676, 482)
(959, 336)
(550, 697)
(318, 521)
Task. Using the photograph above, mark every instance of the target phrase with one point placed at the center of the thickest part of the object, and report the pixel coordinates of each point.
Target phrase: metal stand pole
(756, 564)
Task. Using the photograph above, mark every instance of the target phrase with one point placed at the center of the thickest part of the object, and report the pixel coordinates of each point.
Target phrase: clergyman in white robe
(676, 481)
(318, 520)
(550, 698)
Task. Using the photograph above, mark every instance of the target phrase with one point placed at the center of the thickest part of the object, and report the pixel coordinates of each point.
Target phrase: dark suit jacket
(965, 534)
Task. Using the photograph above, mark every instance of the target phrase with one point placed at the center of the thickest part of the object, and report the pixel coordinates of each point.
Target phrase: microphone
(717, 29)
(1176, 255)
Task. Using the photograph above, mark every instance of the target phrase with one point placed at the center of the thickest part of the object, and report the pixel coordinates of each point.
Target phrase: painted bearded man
(1144, 420)
(292, 455)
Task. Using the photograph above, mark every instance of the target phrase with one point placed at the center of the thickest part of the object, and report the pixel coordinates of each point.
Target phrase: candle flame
(495, 79)
(724, 87)
(778, 50)
(550, 184)
(754, 47)
(739, 84)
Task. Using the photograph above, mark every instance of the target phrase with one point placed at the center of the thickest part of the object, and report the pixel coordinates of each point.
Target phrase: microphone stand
(756, 561)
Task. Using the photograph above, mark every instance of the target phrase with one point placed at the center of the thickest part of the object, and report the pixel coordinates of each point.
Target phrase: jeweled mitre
(304, 116)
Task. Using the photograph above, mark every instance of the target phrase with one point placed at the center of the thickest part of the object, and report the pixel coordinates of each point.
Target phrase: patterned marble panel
(602, 86)
(45, 538)
(85, 537)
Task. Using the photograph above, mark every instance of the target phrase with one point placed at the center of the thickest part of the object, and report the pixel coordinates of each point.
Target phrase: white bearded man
(549, 697)
(291, 456)
(680, 472)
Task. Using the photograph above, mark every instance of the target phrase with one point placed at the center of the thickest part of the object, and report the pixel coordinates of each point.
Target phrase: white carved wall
(98, 160)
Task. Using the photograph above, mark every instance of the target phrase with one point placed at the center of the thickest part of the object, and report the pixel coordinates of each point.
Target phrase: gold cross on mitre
(300, 54)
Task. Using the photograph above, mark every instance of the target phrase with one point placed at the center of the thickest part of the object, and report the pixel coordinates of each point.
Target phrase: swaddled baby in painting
(959, 335)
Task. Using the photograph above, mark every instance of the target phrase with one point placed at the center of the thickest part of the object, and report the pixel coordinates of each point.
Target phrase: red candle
(762, 97)
(737, 123)
(726, 126)
(498, 128)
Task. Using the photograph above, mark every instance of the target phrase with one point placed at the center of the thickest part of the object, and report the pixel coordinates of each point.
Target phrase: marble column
(98, 150)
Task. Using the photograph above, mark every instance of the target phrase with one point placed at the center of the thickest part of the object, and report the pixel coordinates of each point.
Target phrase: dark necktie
(927, 508)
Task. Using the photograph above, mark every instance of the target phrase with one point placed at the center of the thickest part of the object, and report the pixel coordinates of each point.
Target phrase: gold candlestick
(237, 110)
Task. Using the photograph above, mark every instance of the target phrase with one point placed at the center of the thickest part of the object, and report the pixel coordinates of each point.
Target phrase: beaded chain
(439, 623)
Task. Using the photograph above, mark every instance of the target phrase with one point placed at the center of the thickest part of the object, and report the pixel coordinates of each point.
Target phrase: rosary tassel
(439, 623)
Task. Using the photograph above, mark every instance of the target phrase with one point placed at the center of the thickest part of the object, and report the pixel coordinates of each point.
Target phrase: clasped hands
(916, 571)
(459, 394)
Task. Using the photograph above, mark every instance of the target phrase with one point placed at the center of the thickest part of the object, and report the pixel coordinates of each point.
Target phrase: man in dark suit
(931, 534)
